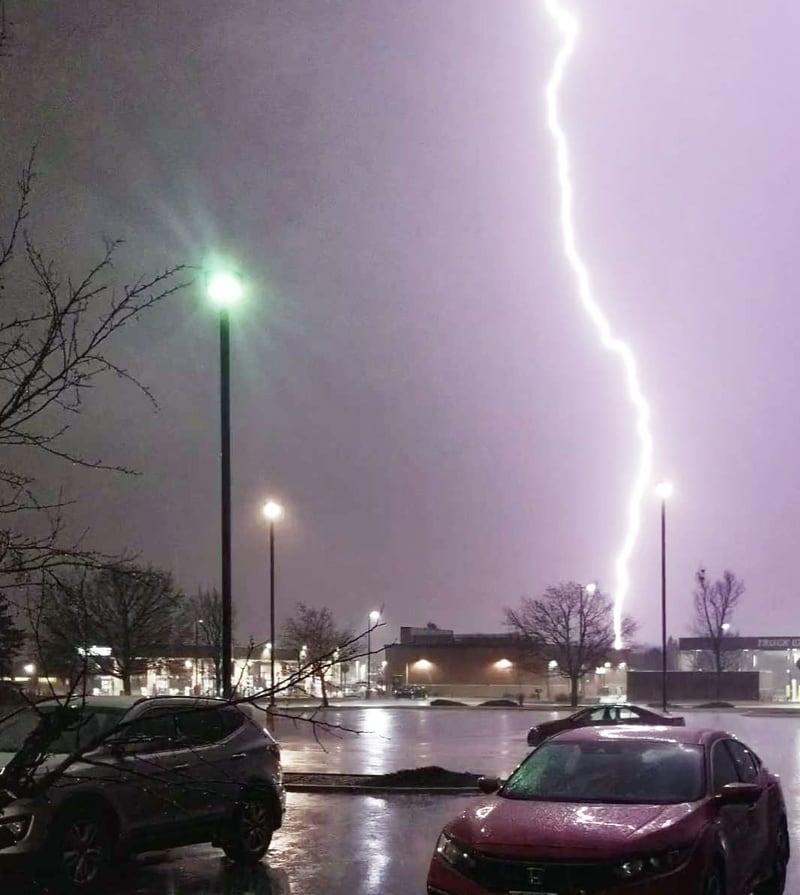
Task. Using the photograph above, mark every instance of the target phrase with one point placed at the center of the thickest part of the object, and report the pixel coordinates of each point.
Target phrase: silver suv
(120, 775)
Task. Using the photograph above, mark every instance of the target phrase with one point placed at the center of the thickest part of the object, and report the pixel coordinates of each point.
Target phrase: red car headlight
(648, 865)
(456, 854)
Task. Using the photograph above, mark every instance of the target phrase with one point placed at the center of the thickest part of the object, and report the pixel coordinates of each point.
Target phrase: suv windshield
(89, 723)
(618, 771)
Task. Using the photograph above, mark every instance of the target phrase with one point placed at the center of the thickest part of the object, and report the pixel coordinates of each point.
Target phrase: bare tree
(131, 611)
(571, 624)
(203, 617)
(12, 637)
(316, 638)
(714, 605)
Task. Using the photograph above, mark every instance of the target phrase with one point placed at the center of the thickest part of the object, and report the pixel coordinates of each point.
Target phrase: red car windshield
(632, 772)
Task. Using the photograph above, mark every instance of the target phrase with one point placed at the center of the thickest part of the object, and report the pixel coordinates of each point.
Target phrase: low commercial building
(180, 671)
(489, 666)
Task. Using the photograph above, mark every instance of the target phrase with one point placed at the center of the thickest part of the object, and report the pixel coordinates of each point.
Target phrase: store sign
(739, 643)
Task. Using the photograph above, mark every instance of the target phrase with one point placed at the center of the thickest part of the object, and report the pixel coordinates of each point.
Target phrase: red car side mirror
(488, 785)
(739, 794)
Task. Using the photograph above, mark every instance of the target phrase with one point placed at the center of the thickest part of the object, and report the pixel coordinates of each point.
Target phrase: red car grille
(510, 874)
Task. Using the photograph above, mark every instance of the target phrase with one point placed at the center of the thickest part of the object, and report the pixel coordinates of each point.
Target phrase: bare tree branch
(57, 333)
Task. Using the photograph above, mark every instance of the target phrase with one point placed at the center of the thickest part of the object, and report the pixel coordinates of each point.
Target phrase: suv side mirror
(488, 785)
(739, 794)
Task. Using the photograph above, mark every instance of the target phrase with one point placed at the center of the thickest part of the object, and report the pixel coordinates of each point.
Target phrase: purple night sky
(412, 374)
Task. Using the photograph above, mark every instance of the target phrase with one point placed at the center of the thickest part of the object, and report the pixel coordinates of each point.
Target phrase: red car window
(745, 765)
(723, 768)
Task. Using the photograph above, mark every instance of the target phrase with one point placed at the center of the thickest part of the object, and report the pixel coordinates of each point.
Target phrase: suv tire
(251, 828)
(80, 850)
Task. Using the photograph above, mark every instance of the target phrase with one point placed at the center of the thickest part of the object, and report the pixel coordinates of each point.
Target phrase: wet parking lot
(380, 845)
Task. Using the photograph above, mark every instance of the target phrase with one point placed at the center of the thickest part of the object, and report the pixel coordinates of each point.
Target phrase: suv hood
(511, 826)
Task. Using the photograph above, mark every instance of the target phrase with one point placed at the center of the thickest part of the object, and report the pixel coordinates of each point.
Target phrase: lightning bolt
(567, 25)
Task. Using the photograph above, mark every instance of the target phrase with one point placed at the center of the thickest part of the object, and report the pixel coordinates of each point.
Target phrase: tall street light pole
(664, 490)
(225, 289)
(373, 620)
(273, 511)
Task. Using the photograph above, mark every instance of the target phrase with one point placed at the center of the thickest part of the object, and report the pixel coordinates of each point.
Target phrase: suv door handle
(238, 755)
(181, 767)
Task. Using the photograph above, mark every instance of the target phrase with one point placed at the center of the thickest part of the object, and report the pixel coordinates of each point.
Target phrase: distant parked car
(411, 691)
(602, 716)
(621, 811)
(144, 775)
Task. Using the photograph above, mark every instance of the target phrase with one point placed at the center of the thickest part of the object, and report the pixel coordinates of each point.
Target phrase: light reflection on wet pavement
(381, 845)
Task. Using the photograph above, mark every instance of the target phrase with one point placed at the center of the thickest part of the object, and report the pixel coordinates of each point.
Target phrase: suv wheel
(251, 829)
(80, 851)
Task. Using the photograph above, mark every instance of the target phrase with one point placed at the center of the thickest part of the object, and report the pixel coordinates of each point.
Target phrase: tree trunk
(126, 682)
(217, 677)
(573, 694)
(325, 702)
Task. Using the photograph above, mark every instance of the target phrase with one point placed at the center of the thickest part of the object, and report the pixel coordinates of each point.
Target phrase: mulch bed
(409, 778)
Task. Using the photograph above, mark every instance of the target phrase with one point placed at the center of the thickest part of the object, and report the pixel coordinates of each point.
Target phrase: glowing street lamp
(273, 512)
(374, 616)
(591, 588)
(224, 289)
(664, 492)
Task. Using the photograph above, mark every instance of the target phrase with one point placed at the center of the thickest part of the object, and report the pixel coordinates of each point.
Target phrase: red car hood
(513, 826)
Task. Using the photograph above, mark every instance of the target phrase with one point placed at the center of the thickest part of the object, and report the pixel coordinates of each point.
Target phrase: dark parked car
(601, 716)
(410, 691)
(622, 811)
(144, 774)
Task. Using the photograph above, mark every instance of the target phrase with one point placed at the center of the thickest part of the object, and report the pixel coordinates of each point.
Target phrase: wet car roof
(127, 702)
(686, 735)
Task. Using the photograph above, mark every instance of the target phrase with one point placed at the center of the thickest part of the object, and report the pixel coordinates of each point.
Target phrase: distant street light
(224, 288)
(273, 511)
(373, 620)
(664, 492)
(591, 588)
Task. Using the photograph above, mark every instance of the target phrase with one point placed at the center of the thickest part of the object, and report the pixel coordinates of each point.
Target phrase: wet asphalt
(381, 844)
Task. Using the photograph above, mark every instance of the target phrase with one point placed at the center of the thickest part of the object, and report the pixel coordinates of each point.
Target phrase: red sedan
(601, 716)
(622, 811)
